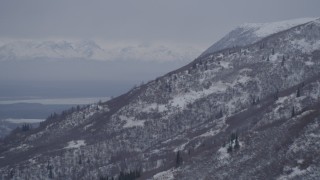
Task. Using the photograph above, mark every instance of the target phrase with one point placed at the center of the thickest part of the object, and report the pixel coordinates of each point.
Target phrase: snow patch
(305, 46)
(243, 79)
(225, 64)
(223, 153)
(154, 106)
(275, 57)
(131, 121)
(87, 126)
(21, 147)
(294, 172)
(182, 100)
(210, 133)
(75, 144)
(309, 63)
(281, 100)
(244, 70)
(181, 147)
(164, 175)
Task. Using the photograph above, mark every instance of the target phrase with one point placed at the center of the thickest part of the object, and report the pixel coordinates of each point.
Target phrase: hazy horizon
(151, 38)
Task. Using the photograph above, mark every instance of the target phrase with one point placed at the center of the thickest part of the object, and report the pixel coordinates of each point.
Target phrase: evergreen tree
(80, 160)
(103, 178)
(178, 159)
(50, 175)
(220, 114)
(11, 174)
(233, 143)
(237, 145)
(131, 175)
(229, 149)
(298, 92)
(276, 95)
(293, 113)
(283, 59)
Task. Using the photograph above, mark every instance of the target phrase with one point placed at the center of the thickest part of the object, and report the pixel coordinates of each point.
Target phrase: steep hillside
(248, 112)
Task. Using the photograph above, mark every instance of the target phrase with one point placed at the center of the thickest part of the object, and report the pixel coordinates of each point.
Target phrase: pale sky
(184, 21)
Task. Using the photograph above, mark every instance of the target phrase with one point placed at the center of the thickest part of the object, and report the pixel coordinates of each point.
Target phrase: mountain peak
(249, 33)
(266, 29)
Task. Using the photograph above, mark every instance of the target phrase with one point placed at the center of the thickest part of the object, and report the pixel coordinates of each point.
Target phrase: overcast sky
(184, 21)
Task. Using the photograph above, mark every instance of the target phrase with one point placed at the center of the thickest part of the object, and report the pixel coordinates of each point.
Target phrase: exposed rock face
(267, 93)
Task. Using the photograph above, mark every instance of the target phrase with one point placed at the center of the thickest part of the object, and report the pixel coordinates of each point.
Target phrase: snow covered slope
(250, 112)
(249, 33)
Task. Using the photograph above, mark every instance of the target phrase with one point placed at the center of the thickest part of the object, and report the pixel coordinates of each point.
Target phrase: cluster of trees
(298, 94)
(131, 175)
(254, 100)
(50, 172)
(220, 114)
(68, 111)
(26, 127)
(233, 144)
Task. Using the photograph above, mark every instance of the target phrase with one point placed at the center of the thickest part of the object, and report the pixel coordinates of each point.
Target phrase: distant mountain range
(68, 49)
(242, 110)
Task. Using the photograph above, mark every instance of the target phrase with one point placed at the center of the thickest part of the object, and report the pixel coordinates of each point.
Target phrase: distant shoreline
(22, 120)
(57, 101)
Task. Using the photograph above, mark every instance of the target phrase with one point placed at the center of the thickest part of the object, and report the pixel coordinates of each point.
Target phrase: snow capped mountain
(62, 49)
(249, 33)
(49, 49)
(248, 112)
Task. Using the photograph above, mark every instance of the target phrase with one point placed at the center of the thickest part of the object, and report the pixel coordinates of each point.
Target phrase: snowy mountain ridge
(249, 33)
(265, 29)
